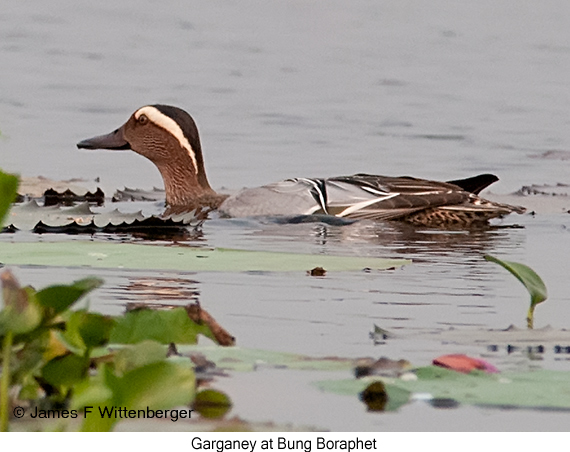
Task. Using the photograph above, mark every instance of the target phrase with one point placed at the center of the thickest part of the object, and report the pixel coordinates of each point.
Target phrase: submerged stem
(530, 317)
(5, 382)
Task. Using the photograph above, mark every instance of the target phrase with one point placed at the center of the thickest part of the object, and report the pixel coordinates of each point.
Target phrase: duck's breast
(288, 197)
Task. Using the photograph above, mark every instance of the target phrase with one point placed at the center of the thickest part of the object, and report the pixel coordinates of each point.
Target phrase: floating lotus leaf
(83, 219)
(53, 197)
(537, 389)
(136, 194)
(182, 258)
(35, 187)
(246, 360)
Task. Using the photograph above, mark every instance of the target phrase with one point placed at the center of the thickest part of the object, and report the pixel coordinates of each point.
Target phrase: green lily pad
(151, 257)
(395, 396)
(244, 359)
(538, 389)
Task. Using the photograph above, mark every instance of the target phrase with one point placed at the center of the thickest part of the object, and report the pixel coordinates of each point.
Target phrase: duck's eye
(142, 119)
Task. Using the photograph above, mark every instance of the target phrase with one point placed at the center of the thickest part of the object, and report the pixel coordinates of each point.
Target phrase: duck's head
(168, 137)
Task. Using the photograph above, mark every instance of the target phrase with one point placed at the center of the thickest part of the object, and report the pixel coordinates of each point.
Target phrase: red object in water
(464, 363)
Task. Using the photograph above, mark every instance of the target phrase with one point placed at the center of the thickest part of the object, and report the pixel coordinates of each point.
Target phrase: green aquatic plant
(8, 192)
(60, 358)
(32, 355)
(533, 283)
(139, 378)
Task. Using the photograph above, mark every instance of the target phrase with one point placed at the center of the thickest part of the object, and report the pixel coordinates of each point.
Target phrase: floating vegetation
(50, 353)
(68, 197)
(183, 258)
(540, 389)
(8, 193)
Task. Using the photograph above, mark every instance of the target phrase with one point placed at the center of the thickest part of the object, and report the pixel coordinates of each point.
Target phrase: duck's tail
(476, 183)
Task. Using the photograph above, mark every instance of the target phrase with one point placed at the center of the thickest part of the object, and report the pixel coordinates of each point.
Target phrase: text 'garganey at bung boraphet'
(169, 138)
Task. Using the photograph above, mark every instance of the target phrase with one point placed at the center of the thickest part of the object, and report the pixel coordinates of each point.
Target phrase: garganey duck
(169, 138)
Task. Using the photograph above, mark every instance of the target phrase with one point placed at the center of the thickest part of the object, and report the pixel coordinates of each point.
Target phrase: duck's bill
(112, 141)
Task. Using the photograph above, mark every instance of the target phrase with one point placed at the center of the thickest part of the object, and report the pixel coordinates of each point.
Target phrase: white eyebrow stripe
(171, 126)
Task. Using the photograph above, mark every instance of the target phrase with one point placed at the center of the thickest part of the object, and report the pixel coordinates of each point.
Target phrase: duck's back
(357, 196)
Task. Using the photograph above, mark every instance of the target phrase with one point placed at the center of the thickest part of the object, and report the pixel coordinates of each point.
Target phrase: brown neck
(184, 188)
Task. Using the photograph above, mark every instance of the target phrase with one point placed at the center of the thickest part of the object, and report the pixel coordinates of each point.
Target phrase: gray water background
(439, 90)
(293, 88)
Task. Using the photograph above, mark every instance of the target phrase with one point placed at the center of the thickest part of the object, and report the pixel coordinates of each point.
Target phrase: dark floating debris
(538, 349)
(205, 369)
(380, 335)
(383, 367)
(172, 350)
(512, 348)
(199, 316)
(443, 402)
(317, 271)
(549, 190)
